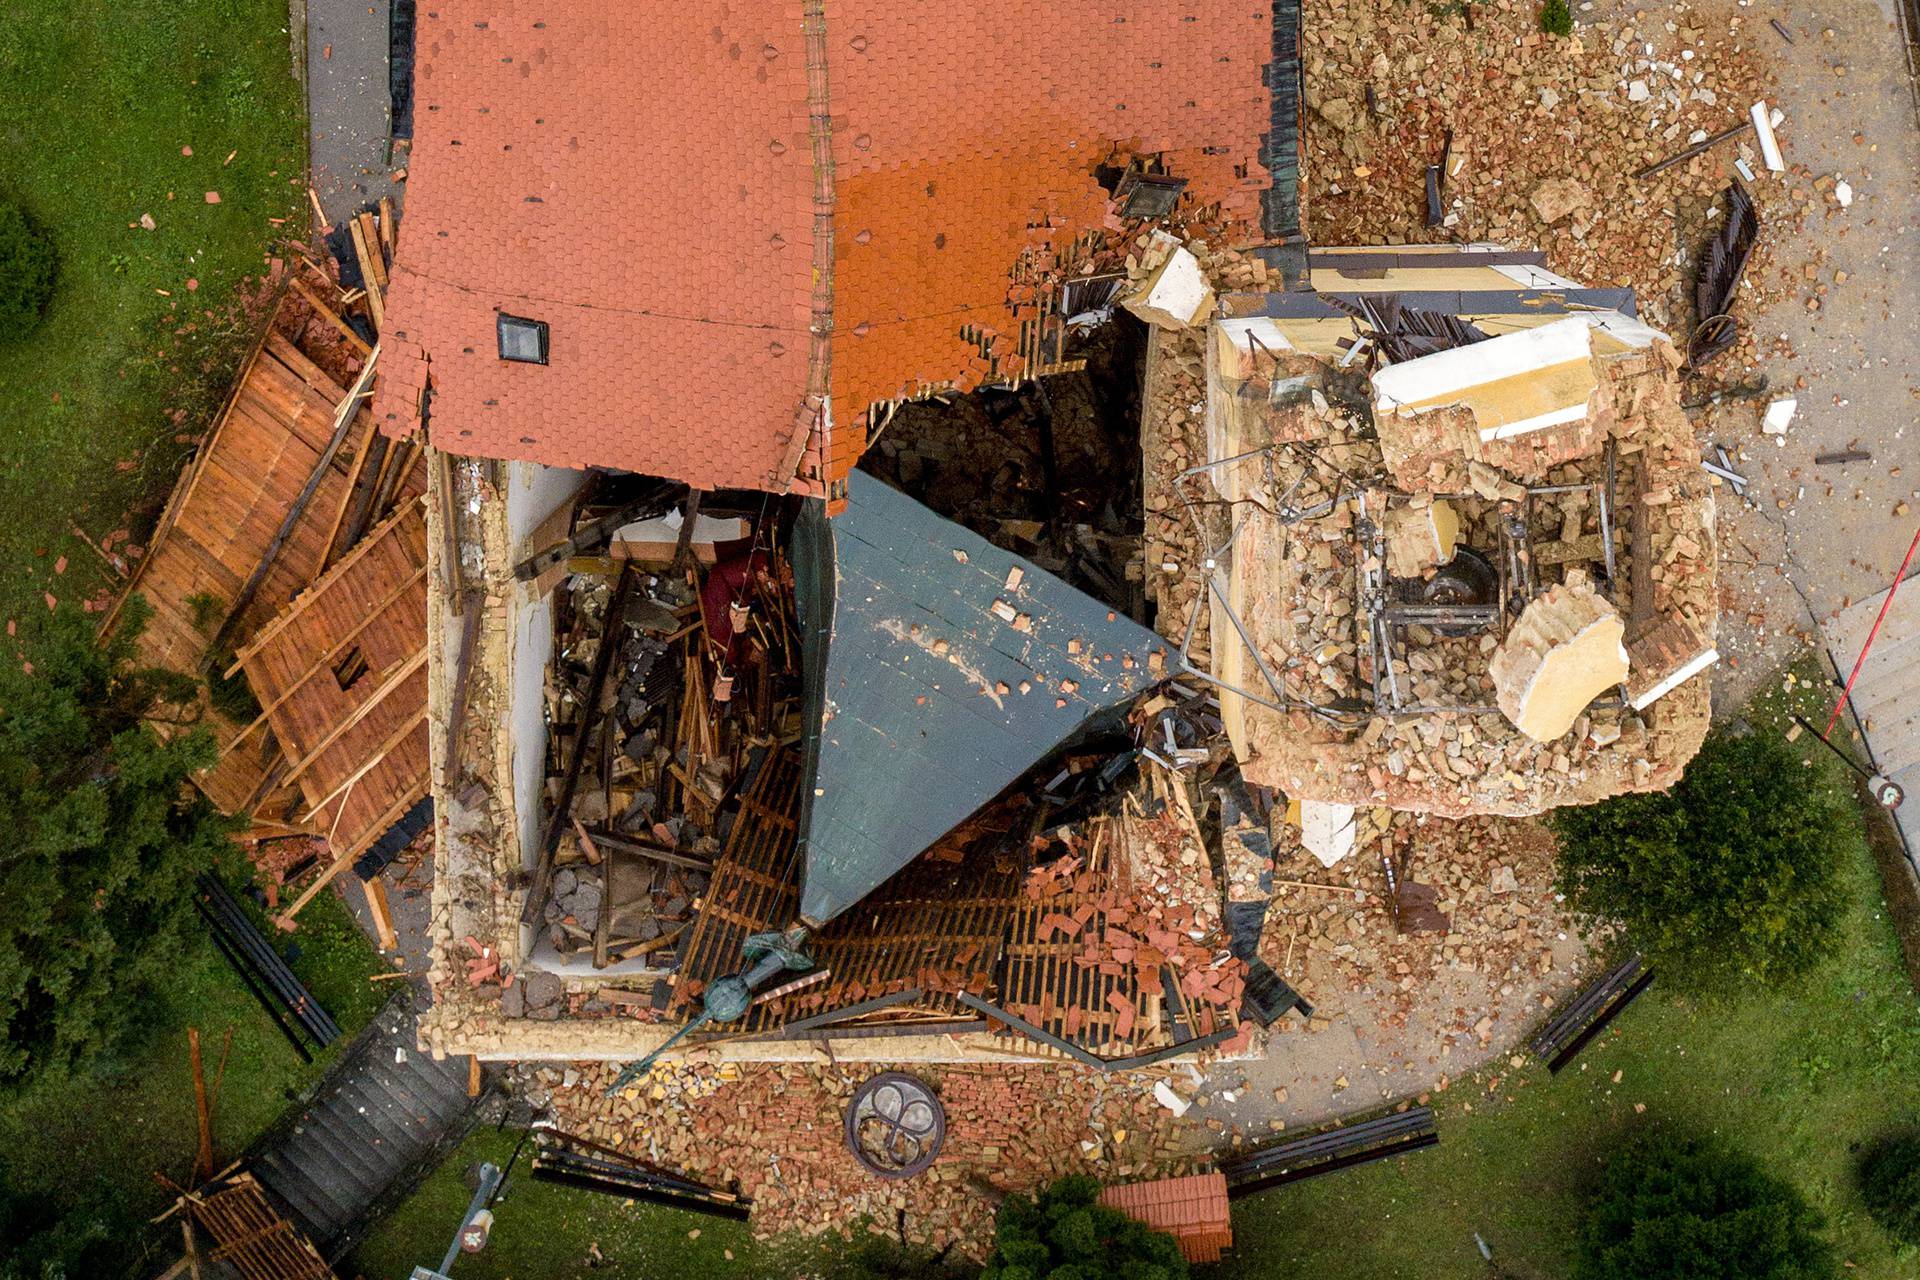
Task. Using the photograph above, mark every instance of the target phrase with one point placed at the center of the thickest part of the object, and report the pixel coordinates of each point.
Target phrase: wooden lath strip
(299, 604)
(397, 677)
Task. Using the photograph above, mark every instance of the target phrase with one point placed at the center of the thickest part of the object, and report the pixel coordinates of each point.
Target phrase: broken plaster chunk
(1779, 414)
(1175, 295)
(1558, 198)
(1564, 652)
(1327, 831)
(1163, 1094)
(1420, 536)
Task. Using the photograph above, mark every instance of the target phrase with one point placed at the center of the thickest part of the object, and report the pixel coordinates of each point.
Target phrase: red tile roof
(643, 179)
(1193, 1210)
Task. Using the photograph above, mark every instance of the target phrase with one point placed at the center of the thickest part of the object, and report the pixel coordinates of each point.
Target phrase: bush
(1676, 1208)
(1556, 19)
(27, 263)
(1890, 1184)
(1739, 872)
(1066, 1234)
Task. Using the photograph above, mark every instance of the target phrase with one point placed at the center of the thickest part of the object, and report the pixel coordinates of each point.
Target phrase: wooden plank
(299, 605)
(393, 681)
(333, 651)
(375, 303)
(191, 478)
(372, 762)
(342, 421)
(376, 252)
(376, 895)
(346, 497)
(389, 229)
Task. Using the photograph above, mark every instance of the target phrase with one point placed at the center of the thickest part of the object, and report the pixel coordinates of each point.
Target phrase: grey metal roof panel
(911, 742)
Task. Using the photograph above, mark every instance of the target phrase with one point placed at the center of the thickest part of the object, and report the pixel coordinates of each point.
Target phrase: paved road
(348, 104)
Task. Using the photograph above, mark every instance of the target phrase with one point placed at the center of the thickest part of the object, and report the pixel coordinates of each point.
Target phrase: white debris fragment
(1769, 144)
(1163, 1094)
(1843, 192)
(1779, 414)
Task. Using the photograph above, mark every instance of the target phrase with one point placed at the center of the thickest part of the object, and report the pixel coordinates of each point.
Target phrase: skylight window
(523, 340)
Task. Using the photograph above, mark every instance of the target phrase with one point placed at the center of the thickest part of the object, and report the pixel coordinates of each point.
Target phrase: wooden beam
(627, 844)
(462, 684)
(285, 618)
(389, 229)
(376, 894)
(473, 1076)
(331, 316)
(203, 1114)
(376, 252)
(342, 420)
(345, 860)
(375, 303)
(393, 681)
(394, 739)
(320, 663)
(346, 498)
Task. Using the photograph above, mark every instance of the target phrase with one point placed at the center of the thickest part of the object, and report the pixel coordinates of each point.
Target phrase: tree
(1066, 1234)
(27, 265)
(1556, 19)
(104, 839)
(1680, 1208)
(1737, 873)
(1890, 1184)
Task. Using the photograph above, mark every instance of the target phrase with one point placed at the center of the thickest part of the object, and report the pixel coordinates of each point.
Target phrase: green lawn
(1799, 1078)
(547, 1232)
(97, 101)
(83, 1146)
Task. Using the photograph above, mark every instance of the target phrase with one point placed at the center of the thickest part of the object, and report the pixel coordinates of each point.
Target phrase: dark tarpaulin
(914, 683)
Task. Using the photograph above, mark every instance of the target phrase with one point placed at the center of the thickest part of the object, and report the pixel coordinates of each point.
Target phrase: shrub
(1890, 1184)
(1678, 1208)
(1556, 19)
(1066, 1234)
(1739, 872)
(27, 263)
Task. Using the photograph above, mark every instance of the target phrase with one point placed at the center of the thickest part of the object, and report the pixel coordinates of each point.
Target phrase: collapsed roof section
(891, 196)
(1465, 559)
(939, 668)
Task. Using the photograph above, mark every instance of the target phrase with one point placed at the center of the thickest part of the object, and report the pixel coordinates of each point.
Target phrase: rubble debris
(1763, 122)
(775, 1134)
(1327, 831)
(1565, 650)
(1664, 656)
(1173, 292)
(1421, 535)
(1779, 414)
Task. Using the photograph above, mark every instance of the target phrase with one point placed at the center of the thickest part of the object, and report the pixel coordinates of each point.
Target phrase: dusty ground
(1836, 530)
(1398, 1015)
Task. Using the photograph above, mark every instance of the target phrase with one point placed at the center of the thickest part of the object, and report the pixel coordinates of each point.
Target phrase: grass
(1801, 1078)
(97, 100)
(544, 1232)
(83, 1145)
